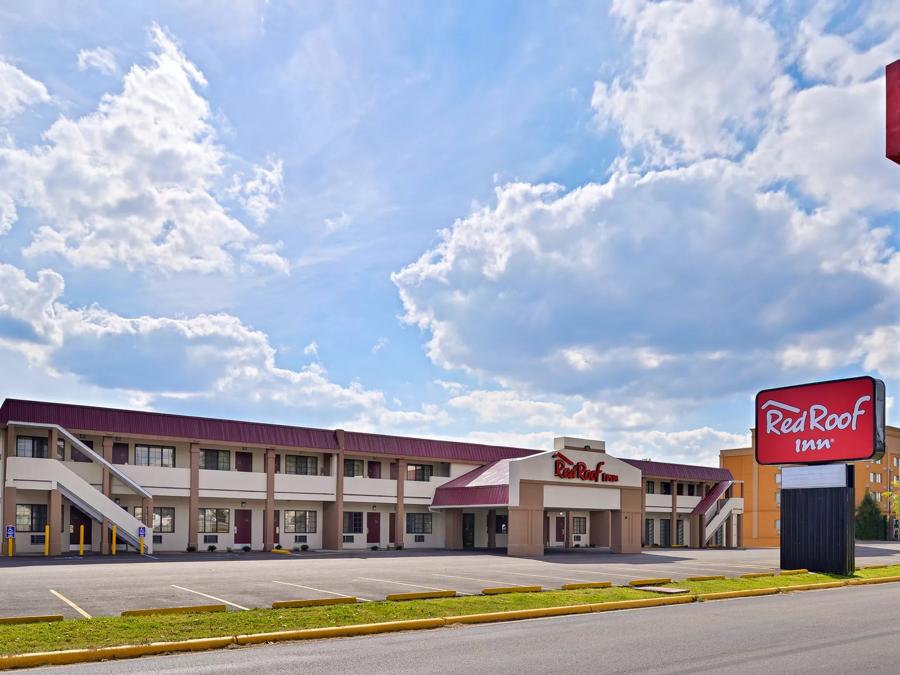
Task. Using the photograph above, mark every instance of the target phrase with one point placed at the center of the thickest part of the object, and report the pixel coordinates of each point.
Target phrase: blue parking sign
(142, 531)
(10, 531)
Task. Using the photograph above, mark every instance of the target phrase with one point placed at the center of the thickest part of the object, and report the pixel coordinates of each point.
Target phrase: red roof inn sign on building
(835, 421)
(563, 467)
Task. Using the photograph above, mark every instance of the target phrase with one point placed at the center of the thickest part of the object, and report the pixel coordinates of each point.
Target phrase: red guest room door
(373, 525)
(243, 526)
(560, 528)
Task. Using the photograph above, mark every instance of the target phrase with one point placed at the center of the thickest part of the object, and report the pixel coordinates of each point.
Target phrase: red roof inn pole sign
(835, 421)
(892, 79)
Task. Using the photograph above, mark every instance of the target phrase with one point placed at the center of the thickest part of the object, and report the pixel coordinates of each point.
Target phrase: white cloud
(266, 255)
(18, 90)
(338, 222)
(705, 75)
(689, 446)
(380, 344)
(263, 191)
(683, 280)
(134, 183)
(100, 59)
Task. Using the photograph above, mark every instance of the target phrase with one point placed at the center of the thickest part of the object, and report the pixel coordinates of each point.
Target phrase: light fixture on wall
(243, 504)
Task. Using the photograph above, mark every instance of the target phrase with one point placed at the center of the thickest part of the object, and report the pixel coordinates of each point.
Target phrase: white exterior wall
(313, 539)
(433, 540)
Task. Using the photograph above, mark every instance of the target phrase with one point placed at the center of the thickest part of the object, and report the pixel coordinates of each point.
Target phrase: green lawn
(108, 631)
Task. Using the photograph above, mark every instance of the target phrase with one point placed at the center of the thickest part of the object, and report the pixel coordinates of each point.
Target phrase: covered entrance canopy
(578, 476)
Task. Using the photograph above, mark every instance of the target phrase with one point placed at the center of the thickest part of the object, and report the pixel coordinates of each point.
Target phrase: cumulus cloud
(18, 90)
(100, 59)
(262, 191)
(205, 356)
(134, 183)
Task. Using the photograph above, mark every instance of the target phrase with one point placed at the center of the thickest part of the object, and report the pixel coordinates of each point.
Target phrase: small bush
(211, 548)
(191, 548)
(229, 549)
(399, 547)
(246, 549)
(374, 547)
(304, 547)
(277, 547)
(296, 549)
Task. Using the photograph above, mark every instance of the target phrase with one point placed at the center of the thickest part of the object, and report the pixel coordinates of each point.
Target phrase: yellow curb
(757, 575)
(649, 582)
(511, 589)
(105, 653)
(517, 614)
(873, 567)
(586, 584)
(318, 602)
(282, 551)
(800, 571)
(644, 602)
(46, 618)
(339, 631)
(424, 595)
(746, 593)
(190, 609)
(873, 580)
(709, 578)
(813, 587)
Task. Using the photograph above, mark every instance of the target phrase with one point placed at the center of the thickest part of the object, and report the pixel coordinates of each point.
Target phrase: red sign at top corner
(892, 81)
(834, 421)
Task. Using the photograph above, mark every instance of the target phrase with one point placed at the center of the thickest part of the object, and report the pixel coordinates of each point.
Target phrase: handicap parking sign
(142, 531)
(10, 531)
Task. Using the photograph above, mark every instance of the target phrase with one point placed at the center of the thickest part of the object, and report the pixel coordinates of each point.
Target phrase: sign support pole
(81, 540)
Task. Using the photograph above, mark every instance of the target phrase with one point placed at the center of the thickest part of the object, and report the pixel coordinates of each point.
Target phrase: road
(835, 631)
(103, 586)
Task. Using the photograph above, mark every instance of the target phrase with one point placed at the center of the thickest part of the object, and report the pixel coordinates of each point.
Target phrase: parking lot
(95, 586)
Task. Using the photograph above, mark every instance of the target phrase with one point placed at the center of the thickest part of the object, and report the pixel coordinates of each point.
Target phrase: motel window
(679, 489)
(896, 462)
(665, 487)
(778, 478)
(354, 468)
(353, 522)
(163, 518)
(154, 455)
(691, 490)
(421, 472)
(442, 470)
(60, 450)
(501, 524)
(778, 524)
(212, 521)
(579, 525)
(78, 455)
(215, 460)
(29, 446)
(877, 477)
(303, 522)
(871, 477)
(778, 497)
(651, 487)
(302, 465)
(31, 517)
(418, 523)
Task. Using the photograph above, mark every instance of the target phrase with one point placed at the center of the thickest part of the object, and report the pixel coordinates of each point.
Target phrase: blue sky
(500, 222)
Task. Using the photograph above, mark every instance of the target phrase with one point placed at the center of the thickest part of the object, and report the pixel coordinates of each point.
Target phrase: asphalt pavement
(851, 629)
(103, 586)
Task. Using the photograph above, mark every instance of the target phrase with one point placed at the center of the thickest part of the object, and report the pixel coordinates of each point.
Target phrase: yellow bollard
(46, 540)
(142, 546)
(81, 540)
(114, 540)
(9, 546)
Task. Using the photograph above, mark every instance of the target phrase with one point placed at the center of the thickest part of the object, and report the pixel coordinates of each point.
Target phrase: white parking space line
(211, 597)
(70, 603)
(401, 583)
(488, 581)
(602, 572)
(546, 576)
(321, 590)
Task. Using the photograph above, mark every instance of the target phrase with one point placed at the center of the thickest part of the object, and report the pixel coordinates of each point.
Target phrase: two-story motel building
(193, 483)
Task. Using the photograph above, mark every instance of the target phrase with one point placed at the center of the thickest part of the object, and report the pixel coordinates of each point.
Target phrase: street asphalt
(846, 630)
(98, 586)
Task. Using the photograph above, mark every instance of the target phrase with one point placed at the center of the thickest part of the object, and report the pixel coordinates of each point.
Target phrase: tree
(869, 522)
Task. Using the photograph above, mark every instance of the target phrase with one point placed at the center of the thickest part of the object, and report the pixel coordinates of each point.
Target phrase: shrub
(374, 547)
(869, 521)
(304, 547)
(229, 549)
(277, 547)
(191, 548)
(246, 549)
(211, 548)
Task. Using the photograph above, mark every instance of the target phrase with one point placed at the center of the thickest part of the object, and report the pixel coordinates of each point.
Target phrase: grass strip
(110, 631)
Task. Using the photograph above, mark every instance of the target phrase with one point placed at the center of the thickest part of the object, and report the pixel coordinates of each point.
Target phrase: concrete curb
(586, 584)
(518, 614)
(789, 572)
(706, 578)
(511, 589)
(649, 582)
(813, 587)
(318, 602)
(280, 551)
(339, 631)
(190, 609)
(422, 595)
(45, 618)
(746, 593)
(644, 602)
(757, 575)
(873, 580)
